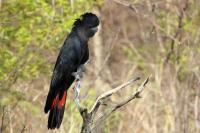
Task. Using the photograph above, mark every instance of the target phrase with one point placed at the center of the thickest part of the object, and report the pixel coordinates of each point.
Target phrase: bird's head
(87, 24)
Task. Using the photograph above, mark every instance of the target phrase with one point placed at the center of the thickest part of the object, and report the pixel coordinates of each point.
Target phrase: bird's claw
(79, 73)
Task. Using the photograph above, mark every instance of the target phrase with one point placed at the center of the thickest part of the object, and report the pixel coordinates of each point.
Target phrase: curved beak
(94, 29)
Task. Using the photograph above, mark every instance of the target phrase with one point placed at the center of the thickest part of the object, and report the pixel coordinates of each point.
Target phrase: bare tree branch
(179, 28)
(23, 129)
(88, 125)
(2, 119)
(109, 93)
(136, 94)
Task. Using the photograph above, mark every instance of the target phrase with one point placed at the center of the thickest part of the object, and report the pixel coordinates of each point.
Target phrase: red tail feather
(60, 102)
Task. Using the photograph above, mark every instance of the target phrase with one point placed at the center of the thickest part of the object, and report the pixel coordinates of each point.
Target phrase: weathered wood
(89, 126)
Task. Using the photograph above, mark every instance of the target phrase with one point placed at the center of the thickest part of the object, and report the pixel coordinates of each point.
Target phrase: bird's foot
(81, 69)
(79, 73)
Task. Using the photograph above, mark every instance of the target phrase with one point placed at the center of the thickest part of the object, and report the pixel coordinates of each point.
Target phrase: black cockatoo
(73, 54)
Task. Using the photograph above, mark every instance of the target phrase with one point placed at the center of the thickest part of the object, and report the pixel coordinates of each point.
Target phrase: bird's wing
(67, 63)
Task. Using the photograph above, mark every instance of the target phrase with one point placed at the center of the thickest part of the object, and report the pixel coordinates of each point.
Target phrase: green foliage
(90, 98)
(36, 26)
(7, 60)
(10, 96)
(112, 122)
(30, 107)
(137, 57)
(30, 32)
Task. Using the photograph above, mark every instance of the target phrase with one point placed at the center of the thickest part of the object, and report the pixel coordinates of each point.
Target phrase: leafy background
(136, 38)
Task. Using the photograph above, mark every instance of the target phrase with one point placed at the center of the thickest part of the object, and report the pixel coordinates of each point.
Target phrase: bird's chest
(84, 53)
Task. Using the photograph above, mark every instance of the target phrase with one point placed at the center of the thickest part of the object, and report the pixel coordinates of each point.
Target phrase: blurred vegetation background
(136, 38)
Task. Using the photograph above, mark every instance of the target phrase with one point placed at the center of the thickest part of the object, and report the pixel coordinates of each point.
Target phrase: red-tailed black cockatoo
(73, 54)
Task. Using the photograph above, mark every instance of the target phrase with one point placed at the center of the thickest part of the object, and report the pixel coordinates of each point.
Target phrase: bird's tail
(57, 110)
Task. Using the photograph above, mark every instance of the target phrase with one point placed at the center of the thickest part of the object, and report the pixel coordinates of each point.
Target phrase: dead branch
(2, 119)
(88, 125)
(23, 129)
(109, 93)
(178, 32)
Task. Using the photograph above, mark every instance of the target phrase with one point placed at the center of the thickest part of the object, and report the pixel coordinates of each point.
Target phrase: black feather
(55, 117)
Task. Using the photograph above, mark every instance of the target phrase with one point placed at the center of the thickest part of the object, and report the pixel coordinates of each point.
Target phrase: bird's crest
(83, 18)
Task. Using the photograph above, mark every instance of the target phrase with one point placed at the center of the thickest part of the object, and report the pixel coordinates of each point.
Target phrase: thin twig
(2, 119)
(109, 52)
(110, 92)
(136, 94)
(23, 129)
(178, 32)
(88, 117)
(127, 4)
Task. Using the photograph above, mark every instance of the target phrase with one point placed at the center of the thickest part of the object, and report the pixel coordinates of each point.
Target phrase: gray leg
(78, 75)
(77, 91)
